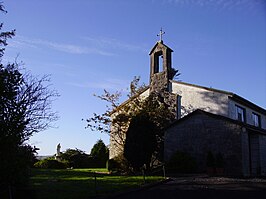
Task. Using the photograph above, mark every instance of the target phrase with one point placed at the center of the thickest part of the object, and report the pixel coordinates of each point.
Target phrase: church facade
(207, 119)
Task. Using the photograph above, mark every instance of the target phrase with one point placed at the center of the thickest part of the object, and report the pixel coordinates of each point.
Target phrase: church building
(207, 120)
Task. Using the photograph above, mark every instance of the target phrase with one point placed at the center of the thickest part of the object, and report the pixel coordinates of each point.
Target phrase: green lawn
(80, 183)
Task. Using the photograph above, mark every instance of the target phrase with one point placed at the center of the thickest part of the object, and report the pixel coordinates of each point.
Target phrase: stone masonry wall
(200, 134)
(159, 82)
(262, 143)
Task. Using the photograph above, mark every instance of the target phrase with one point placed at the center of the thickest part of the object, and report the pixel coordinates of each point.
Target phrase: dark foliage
(75, 158)
(118, 164)
(49, 163)
(16, 163)
(99, 154)
(140, 141)
(25, 109)
(112, 165)
(174, 73)
(4, 35)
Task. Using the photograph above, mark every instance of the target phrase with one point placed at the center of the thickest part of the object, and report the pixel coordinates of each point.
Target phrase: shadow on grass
(81, 183)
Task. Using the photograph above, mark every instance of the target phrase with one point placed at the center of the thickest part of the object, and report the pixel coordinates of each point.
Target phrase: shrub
(95, 162)
(112, 165)
(181, 162)
(50, 164)
(78, 159)
(118, 164)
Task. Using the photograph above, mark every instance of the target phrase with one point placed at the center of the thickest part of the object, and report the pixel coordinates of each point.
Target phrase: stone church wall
(159, 81)
(199, 134)
(116, 143)
(245, 153)
(117, 139)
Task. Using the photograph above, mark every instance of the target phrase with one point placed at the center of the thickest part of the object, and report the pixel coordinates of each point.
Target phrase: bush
(181, 162)
(50, 164)
(78, 159)
(112, 165)
(95, 162)
(118, 164)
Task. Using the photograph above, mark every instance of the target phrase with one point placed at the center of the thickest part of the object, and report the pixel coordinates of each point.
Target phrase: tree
(119, 117)
(25, 109)
(70, 152)
(101, 122)
(118, 120)
(99, 150)
(135, 88)
(75, 158)
(140, 141)
(145, 134)
(100, 153)
(4, 35)
(126, 122)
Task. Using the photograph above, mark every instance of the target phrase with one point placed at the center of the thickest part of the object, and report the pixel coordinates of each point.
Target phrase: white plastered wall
(193, 98)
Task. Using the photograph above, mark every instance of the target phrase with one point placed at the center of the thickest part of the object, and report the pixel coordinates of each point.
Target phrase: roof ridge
(204, 87)
(216, 116)
(234, 96)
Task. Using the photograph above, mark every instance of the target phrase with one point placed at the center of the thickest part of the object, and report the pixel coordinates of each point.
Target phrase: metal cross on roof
(161, 34)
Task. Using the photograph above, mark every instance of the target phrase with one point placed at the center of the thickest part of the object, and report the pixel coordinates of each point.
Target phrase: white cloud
(22, 42)
(107, 43)
(221, 5)
(99, 46)
(109, 84)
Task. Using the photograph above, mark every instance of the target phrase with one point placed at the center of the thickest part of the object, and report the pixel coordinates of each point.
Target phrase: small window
(240, 114)
(256, 119)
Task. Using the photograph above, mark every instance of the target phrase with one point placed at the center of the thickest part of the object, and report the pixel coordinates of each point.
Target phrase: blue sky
(88, 46)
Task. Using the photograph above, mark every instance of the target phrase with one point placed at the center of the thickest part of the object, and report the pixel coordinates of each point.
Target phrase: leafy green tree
(76, 158)
(71, 152)
(140, 141)
(144, 136)
(103, 122)
(50, 163)
(119, 117)
(100, 153)
(25, 109)
(99, 149)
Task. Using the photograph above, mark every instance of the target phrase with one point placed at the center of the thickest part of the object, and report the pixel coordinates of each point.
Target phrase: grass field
(80, 183)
